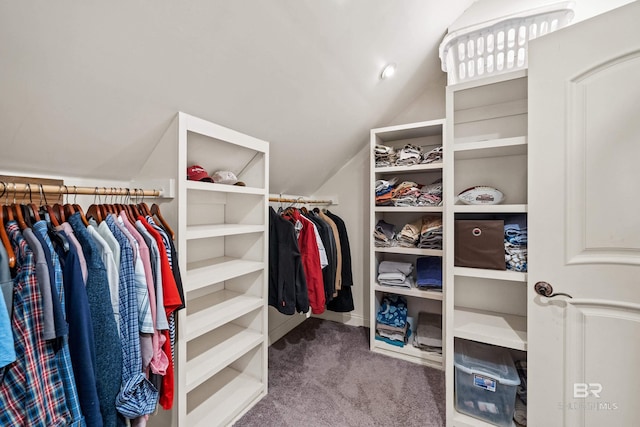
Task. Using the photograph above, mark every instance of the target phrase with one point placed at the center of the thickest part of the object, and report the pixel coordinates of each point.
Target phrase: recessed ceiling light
(388, 71)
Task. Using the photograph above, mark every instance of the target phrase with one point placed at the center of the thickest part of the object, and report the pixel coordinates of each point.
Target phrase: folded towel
(392, 278)
(406, 283)
(429, 330)
(405, 268)
(429, 271)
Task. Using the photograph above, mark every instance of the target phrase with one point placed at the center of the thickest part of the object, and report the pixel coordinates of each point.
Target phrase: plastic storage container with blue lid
(485, 382)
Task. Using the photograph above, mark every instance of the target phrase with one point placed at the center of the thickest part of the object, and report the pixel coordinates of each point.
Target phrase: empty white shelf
(225, 345)
(228, 394)
(413, 292)
(210, 311)
(505, 330)
(513, 208)
(215, 270)
(484, 273)
(220, 230)
(410, 251)
(463, 420)
(224, 188)
(491, 148)
(410, 352)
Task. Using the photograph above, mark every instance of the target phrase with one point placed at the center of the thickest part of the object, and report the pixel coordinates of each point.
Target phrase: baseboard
(345, 318)
(285, 327)
(294, 320)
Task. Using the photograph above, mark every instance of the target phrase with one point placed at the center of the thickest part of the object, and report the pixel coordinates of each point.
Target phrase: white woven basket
(500, 45)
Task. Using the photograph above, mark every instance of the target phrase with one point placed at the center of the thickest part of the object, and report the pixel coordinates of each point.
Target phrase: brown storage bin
(479, 244)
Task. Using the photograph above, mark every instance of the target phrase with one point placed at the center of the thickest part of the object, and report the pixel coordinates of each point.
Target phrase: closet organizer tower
(427, 135)
(222, 242)
(486, 144)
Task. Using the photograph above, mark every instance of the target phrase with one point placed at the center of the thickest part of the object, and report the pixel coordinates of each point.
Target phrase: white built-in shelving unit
(428, 135)
(486, 144)
(222, 242)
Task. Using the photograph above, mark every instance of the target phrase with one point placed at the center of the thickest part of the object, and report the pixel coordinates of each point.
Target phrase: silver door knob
(546, 290)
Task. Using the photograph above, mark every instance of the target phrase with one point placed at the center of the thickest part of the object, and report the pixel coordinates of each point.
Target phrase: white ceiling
(87, 88)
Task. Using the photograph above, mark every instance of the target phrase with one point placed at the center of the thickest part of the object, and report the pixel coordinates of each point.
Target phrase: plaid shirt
(137, 395)
(64, 359)
(32, 392)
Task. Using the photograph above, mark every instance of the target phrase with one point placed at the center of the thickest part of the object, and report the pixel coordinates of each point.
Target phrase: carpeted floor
(323, 374)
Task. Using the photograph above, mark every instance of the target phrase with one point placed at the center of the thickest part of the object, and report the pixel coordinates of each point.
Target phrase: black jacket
(344, 301)
(287, 283)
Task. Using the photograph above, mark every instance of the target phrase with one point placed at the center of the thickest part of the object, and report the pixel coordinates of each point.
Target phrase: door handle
(546, 290)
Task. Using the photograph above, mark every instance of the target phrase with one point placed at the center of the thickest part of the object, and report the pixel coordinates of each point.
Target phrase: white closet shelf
(491, 148)
(220, 133)
(463, 420)
(484, 273)
(409, 353)
(410, 251)
(484, 83)
(505, 330)
(224, 188)
(216, 309)
(425, 209)
(225, 345)
(410, 169)
(215, 270)
(220, 230)
(413, 292)
(230, 391)
(515, 208)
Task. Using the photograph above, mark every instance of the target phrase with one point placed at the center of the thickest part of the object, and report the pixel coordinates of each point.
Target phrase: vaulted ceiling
(87, 88)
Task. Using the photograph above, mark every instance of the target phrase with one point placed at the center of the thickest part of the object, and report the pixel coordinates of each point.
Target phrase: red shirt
(310, 262)
(172, 302)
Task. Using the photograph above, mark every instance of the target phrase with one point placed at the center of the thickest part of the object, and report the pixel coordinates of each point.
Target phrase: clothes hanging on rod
(68, 320)
(308, 248)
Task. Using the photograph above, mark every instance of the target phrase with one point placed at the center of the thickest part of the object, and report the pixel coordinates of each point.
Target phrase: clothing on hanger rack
(65, 273)
(315, 244)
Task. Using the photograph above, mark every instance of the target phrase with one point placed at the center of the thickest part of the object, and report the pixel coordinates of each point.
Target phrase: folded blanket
(405, 268)
(407, 283)
(429, 271)
(391, 278)
(393, 310)
(429, 330)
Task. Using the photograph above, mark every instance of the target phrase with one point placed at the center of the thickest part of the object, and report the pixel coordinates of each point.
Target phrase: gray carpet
(323, 374)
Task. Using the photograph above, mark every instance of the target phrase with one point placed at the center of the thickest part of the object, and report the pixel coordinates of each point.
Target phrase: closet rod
(72, 190)
(301, 200)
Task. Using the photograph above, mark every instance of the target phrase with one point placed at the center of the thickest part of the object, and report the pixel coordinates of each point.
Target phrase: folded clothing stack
(430, 195)
(384, 191)
(385, 156)
(391, 273)
(406, 194)
(409, 236)
(409, 155)
(391, 321)
(429, 272)
(428, 334)
(515, 243)
(431, 233)
(384, 234)
(432, 156)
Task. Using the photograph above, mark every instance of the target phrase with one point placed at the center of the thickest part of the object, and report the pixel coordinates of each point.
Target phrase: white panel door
(584, 223)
